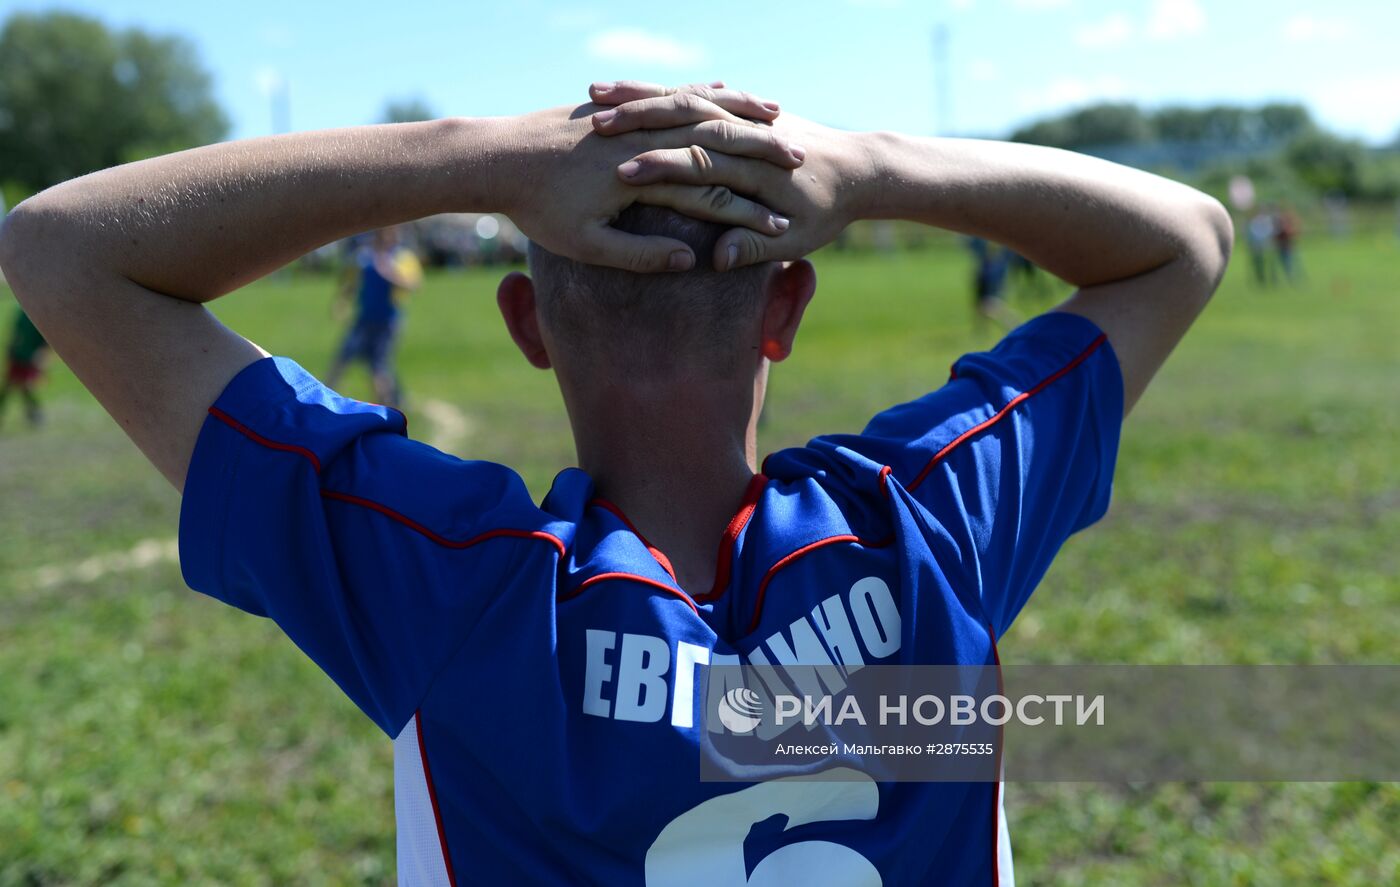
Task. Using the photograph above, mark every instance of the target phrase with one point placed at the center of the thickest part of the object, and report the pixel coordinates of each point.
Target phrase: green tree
(1229, 126)
(1281, 121)
(76, 97)
(407, 110)
(1109, 123)
(1178, 123)
(1327, 162)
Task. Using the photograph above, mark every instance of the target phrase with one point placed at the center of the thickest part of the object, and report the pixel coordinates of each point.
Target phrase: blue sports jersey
(538, 666)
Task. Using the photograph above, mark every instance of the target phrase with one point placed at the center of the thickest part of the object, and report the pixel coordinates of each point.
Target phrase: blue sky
(863, 64)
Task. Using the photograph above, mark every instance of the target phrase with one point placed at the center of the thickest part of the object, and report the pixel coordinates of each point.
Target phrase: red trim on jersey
(432, 796)
(603, 577)
(657, 553)
(258, 438)
(442, 540)
(885, 479)
(725, 558)
(1004, 411)
(996, 793)
(794, 555)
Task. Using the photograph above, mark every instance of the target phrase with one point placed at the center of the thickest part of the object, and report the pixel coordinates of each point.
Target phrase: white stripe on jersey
(1006, 874)
(419, 849)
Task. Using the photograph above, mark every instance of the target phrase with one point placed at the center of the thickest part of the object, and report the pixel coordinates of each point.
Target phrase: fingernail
(779, 223)
(771, 106)
(629, 169)
(604, 116)
(731, 256)
(798, 152)
(603, 87)
(680, 260)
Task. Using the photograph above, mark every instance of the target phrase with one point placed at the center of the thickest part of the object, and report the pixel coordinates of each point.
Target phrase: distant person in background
(1338, 213)
(1261, 241)
(993, 263)
(1286, 227)
(1029, 282)
(502, 644)
(24, 367)
(382, 271)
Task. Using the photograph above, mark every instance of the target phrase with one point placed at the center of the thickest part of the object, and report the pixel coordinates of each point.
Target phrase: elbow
(19, 245)
(13, 234)
(1214, 238)
(32, 238)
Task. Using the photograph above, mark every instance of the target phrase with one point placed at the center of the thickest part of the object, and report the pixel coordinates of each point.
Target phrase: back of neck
(676, 469)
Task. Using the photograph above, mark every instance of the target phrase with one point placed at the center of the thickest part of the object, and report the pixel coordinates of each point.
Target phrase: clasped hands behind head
(706, 151)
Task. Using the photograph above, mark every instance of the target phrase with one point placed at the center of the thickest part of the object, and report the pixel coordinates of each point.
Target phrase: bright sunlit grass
(150, 735)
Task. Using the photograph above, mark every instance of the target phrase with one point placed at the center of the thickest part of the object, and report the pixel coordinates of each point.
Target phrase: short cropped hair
(661, 325)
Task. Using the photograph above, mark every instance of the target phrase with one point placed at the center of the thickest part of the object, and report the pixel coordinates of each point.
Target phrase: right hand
(820, 199)
(558, 183)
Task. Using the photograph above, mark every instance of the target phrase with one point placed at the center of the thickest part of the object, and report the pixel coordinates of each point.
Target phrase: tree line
(1278, 144)
(76, 96)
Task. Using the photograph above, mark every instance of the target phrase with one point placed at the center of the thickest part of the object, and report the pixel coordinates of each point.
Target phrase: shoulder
(447, 500)
(362, 455)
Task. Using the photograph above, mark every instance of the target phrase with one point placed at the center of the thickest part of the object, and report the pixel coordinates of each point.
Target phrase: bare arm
(114, 267)
(1145, 252)
(199, 224)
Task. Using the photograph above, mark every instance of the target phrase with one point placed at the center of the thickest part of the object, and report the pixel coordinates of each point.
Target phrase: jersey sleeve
(1013, 455)
(374, 553)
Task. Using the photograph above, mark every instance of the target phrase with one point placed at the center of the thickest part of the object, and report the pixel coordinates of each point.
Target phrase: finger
(662, 112)
(758, 142)
(714, 203)
(735, 101)
(605, 245)
(738, 247)
(696, 166)
(741, 104)
(615, 92)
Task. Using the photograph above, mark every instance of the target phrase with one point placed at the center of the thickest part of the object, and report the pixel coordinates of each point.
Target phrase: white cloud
(643, 47)
(1364, 106)
(1170, 19)
(1305, 28)
(1114, 30)
(984, 70)
(269, 80)
(1066, 92)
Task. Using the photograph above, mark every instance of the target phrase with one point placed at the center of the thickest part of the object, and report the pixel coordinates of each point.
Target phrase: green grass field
(149, 735)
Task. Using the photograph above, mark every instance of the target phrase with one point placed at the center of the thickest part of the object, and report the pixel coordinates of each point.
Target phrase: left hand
(558, 189)
(830, 190)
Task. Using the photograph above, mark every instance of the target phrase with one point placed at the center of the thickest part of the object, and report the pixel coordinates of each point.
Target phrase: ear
(789, 291)
(516, 298)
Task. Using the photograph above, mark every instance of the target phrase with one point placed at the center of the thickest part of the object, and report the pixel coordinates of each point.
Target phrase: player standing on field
(505, 644)
(24, 367)
(384, 271)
